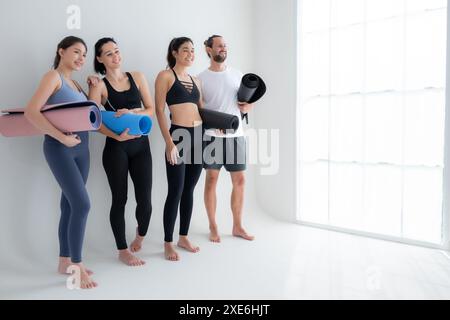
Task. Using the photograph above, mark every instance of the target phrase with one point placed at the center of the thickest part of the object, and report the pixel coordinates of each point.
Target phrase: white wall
(275, 48)
(29, 33)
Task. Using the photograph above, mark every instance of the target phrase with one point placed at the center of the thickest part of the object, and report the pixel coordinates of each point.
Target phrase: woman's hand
(124, 136)
(172, 153)
(121, 112)
(70, 140)
(93, 81)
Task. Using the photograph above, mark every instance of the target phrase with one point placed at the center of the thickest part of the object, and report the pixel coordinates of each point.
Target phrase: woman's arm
(49, 84)
(198, 83)
(144, 90)
(98, 93)
(161, 88)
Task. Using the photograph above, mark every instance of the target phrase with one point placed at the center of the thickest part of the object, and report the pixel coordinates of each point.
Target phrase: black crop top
(182, 92)
(128, 99)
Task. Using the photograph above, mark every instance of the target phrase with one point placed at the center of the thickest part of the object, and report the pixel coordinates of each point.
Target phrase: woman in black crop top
(182, 94)
(123, 93)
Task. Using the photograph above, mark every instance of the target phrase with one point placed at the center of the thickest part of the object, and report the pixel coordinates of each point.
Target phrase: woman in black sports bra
(123, 93)
(183, 160)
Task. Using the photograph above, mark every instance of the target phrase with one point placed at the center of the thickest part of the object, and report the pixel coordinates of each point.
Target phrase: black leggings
(182, 178)
(119, 158)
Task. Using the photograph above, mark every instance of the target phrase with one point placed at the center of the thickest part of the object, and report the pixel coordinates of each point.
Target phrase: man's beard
(218, 58)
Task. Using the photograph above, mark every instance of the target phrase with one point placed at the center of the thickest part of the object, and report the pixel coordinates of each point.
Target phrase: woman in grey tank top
(67, 156)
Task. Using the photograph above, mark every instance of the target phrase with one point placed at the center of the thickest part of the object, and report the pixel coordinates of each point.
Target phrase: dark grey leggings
(70, 166)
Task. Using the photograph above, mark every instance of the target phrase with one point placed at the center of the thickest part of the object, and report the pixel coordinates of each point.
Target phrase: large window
(371, 115)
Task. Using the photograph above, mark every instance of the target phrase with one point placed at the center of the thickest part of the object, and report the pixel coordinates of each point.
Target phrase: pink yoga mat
(67, 117)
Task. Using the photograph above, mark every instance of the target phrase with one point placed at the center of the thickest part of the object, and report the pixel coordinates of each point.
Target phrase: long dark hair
(174, 45)
(98, 66)
(64, 44)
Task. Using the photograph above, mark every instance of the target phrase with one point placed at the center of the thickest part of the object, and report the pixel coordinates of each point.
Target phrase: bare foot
(136, 245)
(65, 263)
(170, 252)
(240, 232)
(129, 259)
(214, 235)
(184, 243)
(85, 281)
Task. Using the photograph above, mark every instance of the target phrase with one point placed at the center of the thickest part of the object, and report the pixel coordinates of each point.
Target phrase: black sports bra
(182, 92)
(130, 99)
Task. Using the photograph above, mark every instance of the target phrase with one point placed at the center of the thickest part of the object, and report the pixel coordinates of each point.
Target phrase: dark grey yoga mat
(218, 120)
(252, 88)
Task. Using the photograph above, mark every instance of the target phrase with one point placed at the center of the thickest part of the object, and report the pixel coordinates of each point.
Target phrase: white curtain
(371, 115)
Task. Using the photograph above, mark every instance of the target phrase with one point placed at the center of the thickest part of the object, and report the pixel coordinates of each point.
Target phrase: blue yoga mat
(137, 123)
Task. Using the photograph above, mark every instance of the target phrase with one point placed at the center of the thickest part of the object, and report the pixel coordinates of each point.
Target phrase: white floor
(286, 261)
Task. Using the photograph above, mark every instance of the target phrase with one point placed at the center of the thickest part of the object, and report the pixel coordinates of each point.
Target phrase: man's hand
(245, 107)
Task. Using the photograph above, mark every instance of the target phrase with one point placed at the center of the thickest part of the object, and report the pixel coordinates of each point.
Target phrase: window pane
(424, 128)
(314, 192)
(385, 44)
(426, 50)
(379, 9)
(347, 47)
(346, 129)
(315, 19)
(314, 130)
(346, 205)
(315, 51)
(421, 5)
(383, 129)
(341, 15)
(422, 204)
(383, 200)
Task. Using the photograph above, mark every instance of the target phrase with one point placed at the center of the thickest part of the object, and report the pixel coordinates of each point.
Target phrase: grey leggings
(70, 166)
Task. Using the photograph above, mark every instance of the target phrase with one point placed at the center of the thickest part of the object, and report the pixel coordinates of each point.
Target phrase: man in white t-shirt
(220, 85)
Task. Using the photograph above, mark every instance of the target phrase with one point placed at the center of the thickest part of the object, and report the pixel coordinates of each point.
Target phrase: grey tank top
(67, 94)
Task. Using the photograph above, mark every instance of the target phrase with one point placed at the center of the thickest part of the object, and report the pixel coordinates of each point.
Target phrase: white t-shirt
(219, 91)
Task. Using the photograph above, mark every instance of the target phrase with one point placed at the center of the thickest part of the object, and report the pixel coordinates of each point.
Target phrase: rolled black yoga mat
(218, 120)
(252, 88)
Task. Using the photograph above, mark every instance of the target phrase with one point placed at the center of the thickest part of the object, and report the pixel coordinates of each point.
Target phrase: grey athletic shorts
(227, 152)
